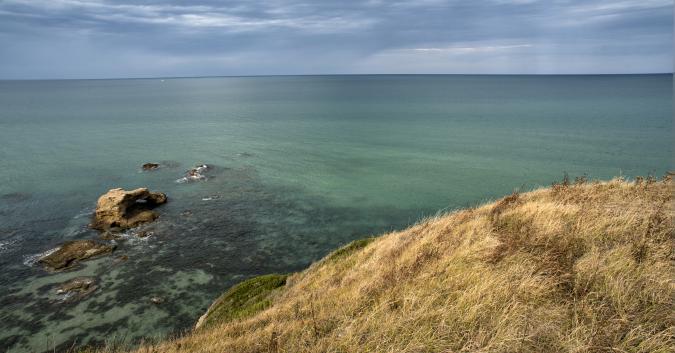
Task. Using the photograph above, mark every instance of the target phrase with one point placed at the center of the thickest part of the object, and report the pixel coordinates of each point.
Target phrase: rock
(110, 235)
(77, 288)
(194, 174)
(150, 166)
(145, 233)
(72, 252)
(157, 300)
(122, 209)
(119, 259)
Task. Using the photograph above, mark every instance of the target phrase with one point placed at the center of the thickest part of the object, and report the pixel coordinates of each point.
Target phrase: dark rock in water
(119, 259)
(122, 258)
(110, 235)
(77, 288)
(72, 252)
(145, 234)
(150, 166)
(194, 174)
(157, 300)
(122, 209)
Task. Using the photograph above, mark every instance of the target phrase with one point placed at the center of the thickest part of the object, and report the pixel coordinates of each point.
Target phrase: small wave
(188, 179)
(31, 260)
(64, 297)
(7, 245)
(194, 174)
(132, 236)
(84, 213)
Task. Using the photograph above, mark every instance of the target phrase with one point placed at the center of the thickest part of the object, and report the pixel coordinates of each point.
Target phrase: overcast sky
(145, 38)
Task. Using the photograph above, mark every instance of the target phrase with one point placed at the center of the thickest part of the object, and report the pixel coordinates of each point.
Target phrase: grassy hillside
(578, 267)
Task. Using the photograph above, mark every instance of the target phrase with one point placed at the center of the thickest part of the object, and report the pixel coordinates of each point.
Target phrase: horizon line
(318, 75)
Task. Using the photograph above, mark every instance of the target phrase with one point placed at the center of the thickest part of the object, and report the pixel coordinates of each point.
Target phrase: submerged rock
(77, 288)
(150, 166)
(72, 252)
(145, 233)
(195, 174)
(122, 258)
(122, 209)
(110, 235)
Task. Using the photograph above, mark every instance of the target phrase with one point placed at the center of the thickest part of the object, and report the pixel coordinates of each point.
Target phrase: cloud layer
(132, 38)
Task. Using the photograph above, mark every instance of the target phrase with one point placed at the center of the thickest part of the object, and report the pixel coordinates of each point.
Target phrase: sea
(299, 166)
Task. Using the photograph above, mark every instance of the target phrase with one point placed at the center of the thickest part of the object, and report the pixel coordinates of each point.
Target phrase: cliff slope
(577, 267)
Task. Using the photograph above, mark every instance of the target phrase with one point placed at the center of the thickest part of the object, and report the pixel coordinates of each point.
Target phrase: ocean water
(301, 165)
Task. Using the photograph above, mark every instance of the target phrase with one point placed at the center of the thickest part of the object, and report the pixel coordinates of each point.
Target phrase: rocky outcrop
(123, 209)
(195, 174)
(77, 288)
(150, 166)
(72, 252)
(110, 235)
(145, 233)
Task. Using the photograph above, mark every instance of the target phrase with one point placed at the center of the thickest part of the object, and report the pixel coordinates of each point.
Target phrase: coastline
(296, 313)
(298, 171)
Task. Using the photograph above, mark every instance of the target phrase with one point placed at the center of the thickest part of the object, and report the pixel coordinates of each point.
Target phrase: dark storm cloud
(98, 38)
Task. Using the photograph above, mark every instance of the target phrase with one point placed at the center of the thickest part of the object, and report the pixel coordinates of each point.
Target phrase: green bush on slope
(243, 300)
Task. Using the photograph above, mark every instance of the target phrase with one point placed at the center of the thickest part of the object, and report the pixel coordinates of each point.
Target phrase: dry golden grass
(578, 267)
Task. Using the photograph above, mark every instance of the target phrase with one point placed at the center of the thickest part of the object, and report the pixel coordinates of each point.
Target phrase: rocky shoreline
(117, 211)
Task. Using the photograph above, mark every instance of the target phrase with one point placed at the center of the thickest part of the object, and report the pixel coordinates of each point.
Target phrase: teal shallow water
(301, 165)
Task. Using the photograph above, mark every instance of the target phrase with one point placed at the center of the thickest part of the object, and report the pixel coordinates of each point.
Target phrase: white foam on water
(130, 237)
(64, 296)
(7, 245)
(30, 260)
(187, 179)
(88, 212)
(195, 174)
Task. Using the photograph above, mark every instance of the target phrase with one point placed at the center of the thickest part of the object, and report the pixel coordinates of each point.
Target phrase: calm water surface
(301, 165)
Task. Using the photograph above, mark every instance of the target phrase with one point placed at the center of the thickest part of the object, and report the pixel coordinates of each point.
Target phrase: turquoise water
(301, 165)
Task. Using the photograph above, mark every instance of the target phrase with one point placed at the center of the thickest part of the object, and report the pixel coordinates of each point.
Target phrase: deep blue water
(301, 165)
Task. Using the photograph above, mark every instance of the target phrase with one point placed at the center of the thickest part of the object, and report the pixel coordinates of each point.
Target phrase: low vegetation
(242, 300)
(578, 267)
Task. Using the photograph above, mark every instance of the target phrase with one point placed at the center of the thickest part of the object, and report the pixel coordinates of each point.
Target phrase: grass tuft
(243, 300)
(349, 248)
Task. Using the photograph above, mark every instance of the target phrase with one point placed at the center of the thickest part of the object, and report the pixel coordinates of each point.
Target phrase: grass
(577, 267)
(349, 249)
(242, 300)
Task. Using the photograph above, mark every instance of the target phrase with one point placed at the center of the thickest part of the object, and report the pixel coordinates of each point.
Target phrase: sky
(152, 38)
